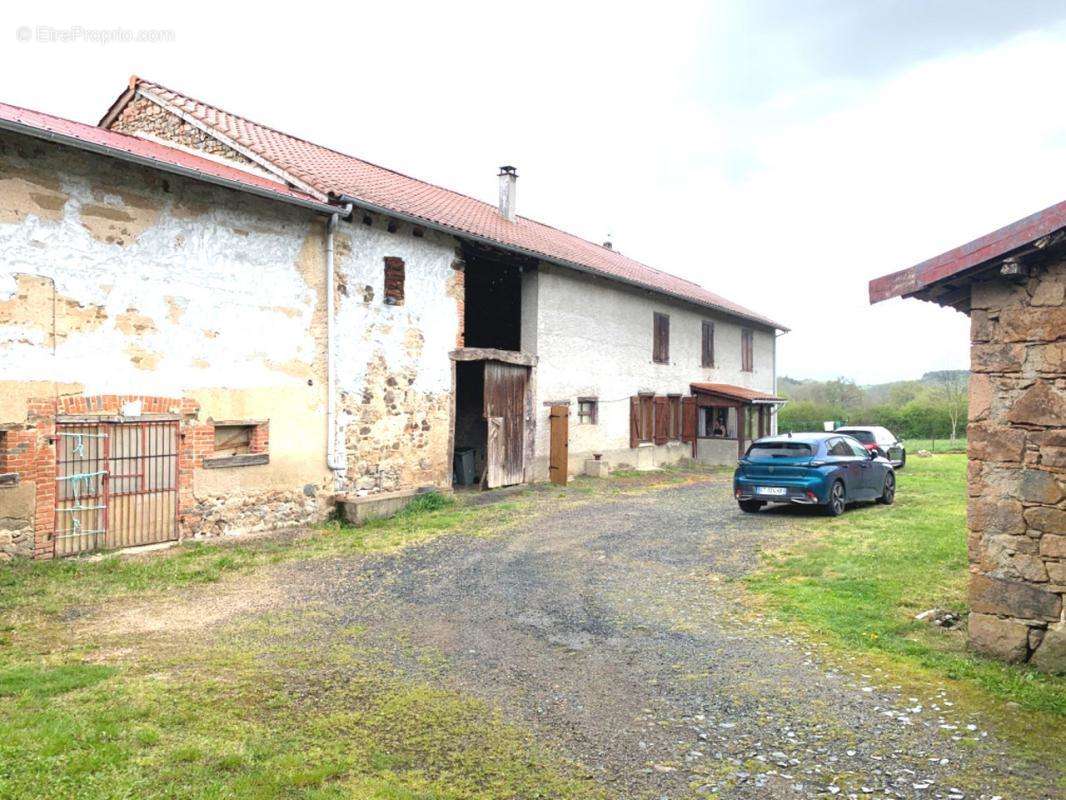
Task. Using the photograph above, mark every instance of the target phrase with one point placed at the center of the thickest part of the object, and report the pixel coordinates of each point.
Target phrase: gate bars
(116, 485)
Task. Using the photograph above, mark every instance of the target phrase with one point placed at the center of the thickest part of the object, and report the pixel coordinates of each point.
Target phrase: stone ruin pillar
(1017, 468)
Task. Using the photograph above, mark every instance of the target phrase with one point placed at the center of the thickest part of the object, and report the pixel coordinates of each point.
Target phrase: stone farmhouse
(207, 326)
(1012, 284)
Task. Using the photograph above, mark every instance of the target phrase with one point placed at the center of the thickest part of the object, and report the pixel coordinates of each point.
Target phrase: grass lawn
(857, 582)
(944, 445)
(261, 708)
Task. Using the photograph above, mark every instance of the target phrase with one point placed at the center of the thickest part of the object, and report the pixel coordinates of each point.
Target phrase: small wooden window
(232, 439)
(394, 281)
(747, 350)
(660, 350)
(587, 410)
(707, 349)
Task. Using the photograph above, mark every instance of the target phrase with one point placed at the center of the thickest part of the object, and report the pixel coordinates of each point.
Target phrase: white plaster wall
(211, 294)
(594, 338)
(221, 287)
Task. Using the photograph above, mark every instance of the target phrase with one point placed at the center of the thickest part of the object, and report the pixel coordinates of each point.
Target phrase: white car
(878, 439)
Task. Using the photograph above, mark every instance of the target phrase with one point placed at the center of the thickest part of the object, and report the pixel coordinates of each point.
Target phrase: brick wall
(1017, 469)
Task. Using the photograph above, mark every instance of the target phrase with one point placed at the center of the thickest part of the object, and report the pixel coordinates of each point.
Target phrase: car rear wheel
(750, 506)
(888, 494)
(902, 459)
(837, 502)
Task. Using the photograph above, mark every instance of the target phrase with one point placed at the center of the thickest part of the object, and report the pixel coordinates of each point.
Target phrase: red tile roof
(78, 134)
(734, 392)
(951, 264)
(337, 175)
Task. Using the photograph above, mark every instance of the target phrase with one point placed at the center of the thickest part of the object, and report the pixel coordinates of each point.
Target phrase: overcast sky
(780, 153)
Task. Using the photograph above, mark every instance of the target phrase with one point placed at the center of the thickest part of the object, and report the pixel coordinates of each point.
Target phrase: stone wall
(1017, 469)
(144, 118)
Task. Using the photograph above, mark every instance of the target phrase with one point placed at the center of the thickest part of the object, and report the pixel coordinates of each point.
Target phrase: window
(747, 350)
(708, 344)
(674, 426)
(647, 417)
(239, 443)
(233, 439)
(838, 447)
(587, 410)
(641, 419)
(866, 437)
(858, 450)
(660, 351)
(394, 281)
(780, 450)
(718, 423)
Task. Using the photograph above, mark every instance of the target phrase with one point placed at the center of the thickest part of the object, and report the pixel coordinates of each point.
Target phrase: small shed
(1011, 283)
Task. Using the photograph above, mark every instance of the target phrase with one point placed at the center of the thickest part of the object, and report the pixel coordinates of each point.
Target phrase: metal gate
(116, 484)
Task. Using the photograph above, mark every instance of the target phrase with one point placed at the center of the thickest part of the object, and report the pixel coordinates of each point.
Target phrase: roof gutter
(426, 223)
(145, 161)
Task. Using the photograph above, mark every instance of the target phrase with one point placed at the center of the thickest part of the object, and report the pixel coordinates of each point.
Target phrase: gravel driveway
(612, 630)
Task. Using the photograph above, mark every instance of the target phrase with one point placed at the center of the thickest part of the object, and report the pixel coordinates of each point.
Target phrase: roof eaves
(563, 262)
(959, 261)
(154, 163)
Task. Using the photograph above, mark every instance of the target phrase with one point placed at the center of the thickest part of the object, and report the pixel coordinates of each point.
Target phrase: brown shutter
(708, 344)
(688, 419)
(634, 421)
(660, 351)
(662, 420)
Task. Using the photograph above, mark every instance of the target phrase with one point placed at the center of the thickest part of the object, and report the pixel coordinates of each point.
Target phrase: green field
(856, 582)
(935, 446)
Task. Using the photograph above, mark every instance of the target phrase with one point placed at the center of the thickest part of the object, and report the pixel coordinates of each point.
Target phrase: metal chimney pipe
(508, 192)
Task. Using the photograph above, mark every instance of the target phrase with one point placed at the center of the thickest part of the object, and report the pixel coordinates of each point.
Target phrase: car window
(885, 436)
(866, 437)
(838, 447)
(857, 449)
(780, 450)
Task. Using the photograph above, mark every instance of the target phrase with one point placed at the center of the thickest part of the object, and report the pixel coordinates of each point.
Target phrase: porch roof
(739, 393)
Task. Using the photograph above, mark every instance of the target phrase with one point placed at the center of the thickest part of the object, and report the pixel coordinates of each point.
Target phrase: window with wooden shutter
(641, 419)
(394, 281)
(688, 419)
(647, 417)
(674, 428)
(662, 420)
(660, 350)
(708, 344)
(747, 350)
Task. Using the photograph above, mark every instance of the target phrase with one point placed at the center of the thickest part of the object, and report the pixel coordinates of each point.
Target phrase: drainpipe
(334, 460)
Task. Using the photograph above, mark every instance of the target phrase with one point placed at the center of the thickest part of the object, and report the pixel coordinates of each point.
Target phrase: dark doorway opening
(493, 293)
(470, 429)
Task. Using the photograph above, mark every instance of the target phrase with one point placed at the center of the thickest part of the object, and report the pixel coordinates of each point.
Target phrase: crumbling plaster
(394, 373)
(198, 292)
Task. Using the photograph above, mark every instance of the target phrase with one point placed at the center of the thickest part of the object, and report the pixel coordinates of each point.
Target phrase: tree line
(933, 407)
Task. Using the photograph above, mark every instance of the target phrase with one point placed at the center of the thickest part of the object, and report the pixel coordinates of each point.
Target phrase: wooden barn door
(505, 412)
(559, 452)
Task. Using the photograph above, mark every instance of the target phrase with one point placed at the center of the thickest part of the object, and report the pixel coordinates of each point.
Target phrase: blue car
(823, 469)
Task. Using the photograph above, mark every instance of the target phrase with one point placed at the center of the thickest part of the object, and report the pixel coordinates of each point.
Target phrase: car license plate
(777, 491)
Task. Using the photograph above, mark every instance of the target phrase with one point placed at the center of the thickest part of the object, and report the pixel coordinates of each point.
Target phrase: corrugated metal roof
(339, 175)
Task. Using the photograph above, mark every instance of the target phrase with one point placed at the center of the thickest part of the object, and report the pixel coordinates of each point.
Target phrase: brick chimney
(508, 192)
